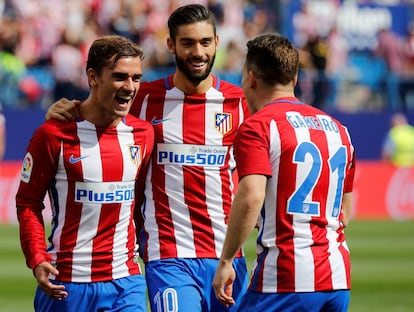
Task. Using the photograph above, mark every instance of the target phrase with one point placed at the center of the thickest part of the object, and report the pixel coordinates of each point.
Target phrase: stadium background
(361, 103)
(381, 233)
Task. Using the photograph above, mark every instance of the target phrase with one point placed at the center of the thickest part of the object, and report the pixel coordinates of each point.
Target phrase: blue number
(300, 201)
(338, 162)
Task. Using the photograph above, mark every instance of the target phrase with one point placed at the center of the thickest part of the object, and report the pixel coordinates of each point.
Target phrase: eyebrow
(122, 74)
(196, 39)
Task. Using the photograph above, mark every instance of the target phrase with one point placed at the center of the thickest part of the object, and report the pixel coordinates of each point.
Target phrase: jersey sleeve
(252, 138)
(38, 169)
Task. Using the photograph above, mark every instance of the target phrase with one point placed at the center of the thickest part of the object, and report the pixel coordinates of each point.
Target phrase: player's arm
(63, 110)
(38, 169)
(245, 210)
(346, 208)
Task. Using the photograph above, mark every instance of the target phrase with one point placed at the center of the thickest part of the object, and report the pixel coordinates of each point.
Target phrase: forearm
(243, 216)
(347, 208)
(32, 237)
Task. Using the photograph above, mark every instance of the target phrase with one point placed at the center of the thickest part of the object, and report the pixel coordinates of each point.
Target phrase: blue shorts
(126, 294)
(185, 284)
(327, 301)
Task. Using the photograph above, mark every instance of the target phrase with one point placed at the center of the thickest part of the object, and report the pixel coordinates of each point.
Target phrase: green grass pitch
(382, 254)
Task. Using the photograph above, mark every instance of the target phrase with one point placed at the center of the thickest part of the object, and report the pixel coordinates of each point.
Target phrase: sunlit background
(357, 63)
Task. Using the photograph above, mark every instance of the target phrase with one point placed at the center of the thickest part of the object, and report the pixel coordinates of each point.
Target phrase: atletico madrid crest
(135, 152)
(223, 122)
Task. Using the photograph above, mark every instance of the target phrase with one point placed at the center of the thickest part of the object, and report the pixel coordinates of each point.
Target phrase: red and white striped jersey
(189, 187)
(90, 174)
(309, 159)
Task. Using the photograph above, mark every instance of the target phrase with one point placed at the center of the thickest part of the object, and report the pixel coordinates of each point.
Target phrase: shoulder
(152, 86)
(139, 124)
(55, 127)
(134, 121)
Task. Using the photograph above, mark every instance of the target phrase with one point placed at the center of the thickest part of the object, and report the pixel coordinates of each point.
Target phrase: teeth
(197, 64)
(126, 98)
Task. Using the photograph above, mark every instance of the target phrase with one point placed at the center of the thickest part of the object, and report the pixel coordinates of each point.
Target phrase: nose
(129, 84)
(198, 49)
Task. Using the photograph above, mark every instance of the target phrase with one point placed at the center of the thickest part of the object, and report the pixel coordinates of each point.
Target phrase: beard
(194, 77)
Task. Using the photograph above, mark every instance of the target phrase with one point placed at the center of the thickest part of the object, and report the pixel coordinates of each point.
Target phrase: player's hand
(223, 283)
(42, 272)
(64, 110)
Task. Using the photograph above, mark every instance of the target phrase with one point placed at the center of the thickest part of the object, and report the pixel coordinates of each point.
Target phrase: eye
(187, 43)
(206, 42)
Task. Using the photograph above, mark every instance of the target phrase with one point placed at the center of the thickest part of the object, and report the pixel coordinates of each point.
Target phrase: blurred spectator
(305, 25)
(2, 134)
(407, 84)
(398, 146)
(390, 48)
(68, 65)
(12, 68)
(336, 66)
(317, 49)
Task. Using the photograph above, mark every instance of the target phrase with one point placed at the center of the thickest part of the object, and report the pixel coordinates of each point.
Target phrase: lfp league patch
(27, 168)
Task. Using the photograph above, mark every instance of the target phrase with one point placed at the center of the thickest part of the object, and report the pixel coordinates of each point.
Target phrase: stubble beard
(194, 78)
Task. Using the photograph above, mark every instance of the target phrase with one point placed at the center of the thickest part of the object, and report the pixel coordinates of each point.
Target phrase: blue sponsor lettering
(117, 196)
(200, 159)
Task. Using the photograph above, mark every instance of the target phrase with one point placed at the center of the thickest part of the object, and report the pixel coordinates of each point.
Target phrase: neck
(264, 95)
(90, 111)
(181, 82)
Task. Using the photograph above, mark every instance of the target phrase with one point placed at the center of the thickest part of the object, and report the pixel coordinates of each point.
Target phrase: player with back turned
(296, 169)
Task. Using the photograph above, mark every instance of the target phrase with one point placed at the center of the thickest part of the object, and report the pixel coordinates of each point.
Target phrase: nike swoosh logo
(74, 160)
(155, 122)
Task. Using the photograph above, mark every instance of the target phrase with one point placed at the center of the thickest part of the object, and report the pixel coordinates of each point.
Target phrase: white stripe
(174, 180)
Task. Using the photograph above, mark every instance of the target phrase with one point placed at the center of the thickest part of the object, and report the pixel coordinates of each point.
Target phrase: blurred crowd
(43, 46)
(43, 43)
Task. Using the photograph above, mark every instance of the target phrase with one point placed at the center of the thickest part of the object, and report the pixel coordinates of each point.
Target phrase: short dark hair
(105, 47)
(189, 14)
(273, 58)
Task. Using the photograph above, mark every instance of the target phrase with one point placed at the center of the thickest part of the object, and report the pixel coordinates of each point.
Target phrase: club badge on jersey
(223, 122)
(135, 152)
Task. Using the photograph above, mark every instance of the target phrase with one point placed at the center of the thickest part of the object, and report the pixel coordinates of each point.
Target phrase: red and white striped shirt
(309, 159)
(90, 175)
(189, 187)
